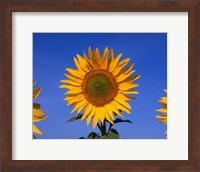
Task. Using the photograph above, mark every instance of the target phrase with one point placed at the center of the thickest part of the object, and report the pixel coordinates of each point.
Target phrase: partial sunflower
(163, 110)
(100, 85)
(37, 113)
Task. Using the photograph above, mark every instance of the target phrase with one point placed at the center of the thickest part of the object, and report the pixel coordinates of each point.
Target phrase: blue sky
(53, 52)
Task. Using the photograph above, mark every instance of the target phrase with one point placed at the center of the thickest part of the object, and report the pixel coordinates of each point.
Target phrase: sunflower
(37, 113)
(100, 85)
(163, 110)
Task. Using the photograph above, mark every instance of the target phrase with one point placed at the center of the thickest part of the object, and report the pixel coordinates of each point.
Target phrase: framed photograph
(99, 86)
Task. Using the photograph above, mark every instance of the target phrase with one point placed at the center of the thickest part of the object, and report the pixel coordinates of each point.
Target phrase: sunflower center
(99, 87)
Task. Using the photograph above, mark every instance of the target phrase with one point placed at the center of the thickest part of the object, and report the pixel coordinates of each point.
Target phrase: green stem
(103, 128)
(99, 126)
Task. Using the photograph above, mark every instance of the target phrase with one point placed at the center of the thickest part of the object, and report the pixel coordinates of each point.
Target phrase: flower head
(37, 113)
(100, 85)
(163, 110)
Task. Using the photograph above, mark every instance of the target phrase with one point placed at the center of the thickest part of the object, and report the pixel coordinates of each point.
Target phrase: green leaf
(118, 120)
(116, 113)
(103, 137)
(93, 135)
(112, 134)
(78, 116)
(82, 138)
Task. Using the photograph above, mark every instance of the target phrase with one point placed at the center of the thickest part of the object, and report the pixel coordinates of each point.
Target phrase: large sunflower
(37, 113)
(100, 85)
(163, 110)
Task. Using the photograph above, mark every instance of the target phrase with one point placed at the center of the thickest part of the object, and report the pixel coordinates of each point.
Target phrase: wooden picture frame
(9, 6)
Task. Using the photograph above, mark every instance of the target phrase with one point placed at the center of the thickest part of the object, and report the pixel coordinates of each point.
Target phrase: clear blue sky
(53, 52)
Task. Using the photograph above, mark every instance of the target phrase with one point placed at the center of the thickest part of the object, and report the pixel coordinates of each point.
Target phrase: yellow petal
(68, 86)
(75, 90)
(85, 68)
(38, 118)
(90, 53)
(115, 109)
(109, 111)
(38, 112)
(125, 61)
(114, 63)
(127, 85)
(121, 107)
(123, 76)
(36, 92)
(75, 79)
(36, 130)
(131, 79)
(125, 97)
(75, 73)
(83, 63)
(105, 59)
(96, 117)
(164, 121)
(69, 97)
(162, 116)
(74, 83)
(78, 105)
(105, 54)
(122, 101)
(97, 56)
(74, 94)
(164, 110)
(79, 66)
(91, 114)
(88, 63)
(163, 101)
(88, 109)
(94, 58)
(105, 64)
(126, 70)
(111, 59)
(102, 114)
(120, 66)
(81, 108)
(165, 90)
(76, 99)
(130, 92)
(109, 120)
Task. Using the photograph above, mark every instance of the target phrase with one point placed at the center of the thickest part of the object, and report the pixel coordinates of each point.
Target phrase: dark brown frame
(9, 6)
